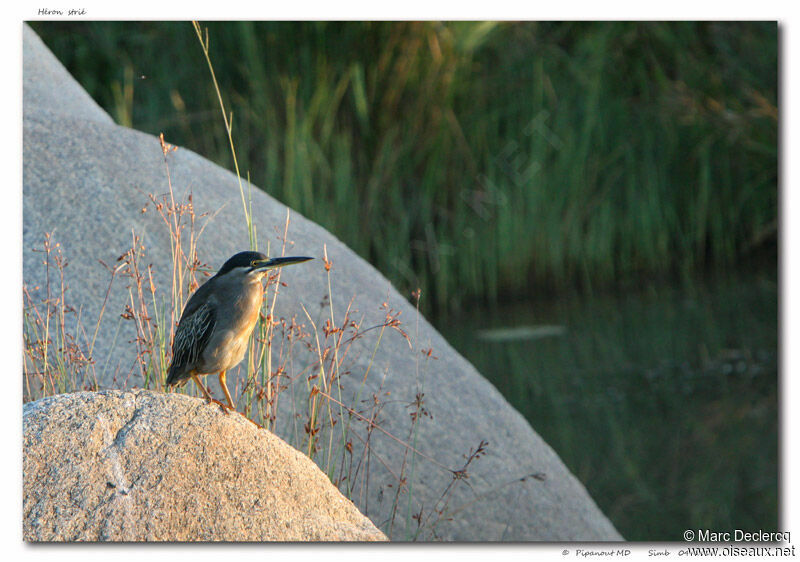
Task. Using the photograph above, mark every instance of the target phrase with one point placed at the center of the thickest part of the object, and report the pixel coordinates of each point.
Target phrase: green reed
(476, 159)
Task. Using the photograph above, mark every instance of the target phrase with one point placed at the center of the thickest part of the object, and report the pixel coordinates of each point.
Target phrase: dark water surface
(663, 403)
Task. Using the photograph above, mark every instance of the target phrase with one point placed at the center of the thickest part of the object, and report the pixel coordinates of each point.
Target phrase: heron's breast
(249, 307)
(225, 351)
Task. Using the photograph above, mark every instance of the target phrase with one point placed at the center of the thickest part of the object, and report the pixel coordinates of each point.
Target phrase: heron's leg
(196, 380)
(207, 394)
(225, 390)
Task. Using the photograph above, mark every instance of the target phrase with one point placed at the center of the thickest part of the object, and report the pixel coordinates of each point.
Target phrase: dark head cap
(257, 262)
(242, 259)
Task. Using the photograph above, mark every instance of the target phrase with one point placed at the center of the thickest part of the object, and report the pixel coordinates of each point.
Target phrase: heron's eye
(253, 263)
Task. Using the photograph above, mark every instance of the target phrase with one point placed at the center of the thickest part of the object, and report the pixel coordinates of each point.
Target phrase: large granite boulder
(146, 466)
(87, 180)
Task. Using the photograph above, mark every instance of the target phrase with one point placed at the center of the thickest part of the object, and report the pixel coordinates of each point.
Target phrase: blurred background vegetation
(475, 160)
(625, 171)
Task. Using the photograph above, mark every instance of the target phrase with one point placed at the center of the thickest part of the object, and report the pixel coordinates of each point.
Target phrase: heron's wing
(191, 337)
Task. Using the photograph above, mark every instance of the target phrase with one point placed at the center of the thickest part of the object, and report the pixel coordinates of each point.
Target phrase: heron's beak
(274, 263)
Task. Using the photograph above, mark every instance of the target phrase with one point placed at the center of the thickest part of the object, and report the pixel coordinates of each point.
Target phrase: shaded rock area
(87, 179)
(145, 466)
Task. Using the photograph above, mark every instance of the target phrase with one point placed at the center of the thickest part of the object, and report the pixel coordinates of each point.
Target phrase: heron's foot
(225, 407)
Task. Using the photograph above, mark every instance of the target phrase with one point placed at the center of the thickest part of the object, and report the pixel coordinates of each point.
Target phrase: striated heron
(216, 323)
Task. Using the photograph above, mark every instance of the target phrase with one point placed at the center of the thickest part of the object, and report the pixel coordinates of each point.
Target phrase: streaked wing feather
(191, 338)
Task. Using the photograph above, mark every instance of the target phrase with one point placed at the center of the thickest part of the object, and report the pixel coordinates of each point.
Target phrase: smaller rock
(148, 466)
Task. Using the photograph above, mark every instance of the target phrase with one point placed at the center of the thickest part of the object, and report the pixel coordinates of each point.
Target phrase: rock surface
(146, 466)
(87, 179)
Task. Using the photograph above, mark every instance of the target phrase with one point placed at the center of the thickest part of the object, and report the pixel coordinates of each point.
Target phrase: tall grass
(476, 159)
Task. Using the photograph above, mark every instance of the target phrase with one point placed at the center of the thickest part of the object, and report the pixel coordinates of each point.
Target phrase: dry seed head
(328, 263)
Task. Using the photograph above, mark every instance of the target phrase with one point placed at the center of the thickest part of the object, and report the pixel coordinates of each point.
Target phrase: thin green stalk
(228, 124)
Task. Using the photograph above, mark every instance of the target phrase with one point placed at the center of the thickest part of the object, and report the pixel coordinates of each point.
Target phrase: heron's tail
(176, 377)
